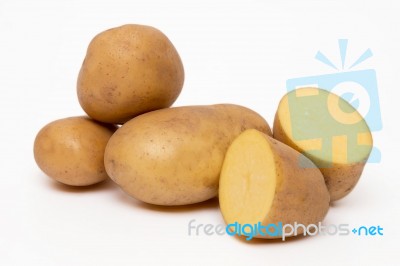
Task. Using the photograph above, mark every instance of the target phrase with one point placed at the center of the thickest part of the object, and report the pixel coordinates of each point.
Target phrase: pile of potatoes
(170, 156)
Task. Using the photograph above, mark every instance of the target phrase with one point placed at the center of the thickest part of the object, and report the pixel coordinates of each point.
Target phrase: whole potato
(127, 71)
(71, 150)
(174, 156)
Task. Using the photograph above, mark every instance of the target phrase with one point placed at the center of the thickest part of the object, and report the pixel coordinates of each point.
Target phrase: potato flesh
(313, 121)
(327, 130)
(248, 180)
(275, 189)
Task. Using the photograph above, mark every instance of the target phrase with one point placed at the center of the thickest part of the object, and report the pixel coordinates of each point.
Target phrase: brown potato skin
(339, 178)
(71, 150)
(301, 194)
(174, 156)
(127, 71)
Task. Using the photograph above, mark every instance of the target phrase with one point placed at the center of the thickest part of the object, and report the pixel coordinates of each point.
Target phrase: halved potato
(327, 130)
(261, 181)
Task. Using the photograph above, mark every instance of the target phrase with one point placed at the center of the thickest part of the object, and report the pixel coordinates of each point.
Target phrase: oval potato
(174, 156)
(127, 71)
(71, 150)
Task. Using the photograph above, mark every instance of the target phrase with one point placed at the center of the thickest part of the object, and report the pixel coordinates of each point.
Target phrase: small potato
(329, 131)
(71, 150)
(127, 71)
(174, 156)
(262, 182)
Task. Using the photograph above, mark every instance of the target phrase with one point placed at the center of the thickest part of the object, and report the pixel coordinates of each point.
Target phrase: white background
(238, 52)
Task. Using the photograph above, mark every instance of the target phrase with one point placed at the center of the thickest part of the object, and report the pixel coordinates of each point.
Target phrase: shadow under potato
(276, 241)
(104, 185)
(126, 199)
(108, 184)
(208, 204)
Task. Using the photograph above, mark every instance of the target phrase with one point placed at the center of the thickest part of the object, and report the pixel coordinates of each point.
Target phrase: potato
(262, 182)
(174, 156)
(127, 71)
(329, 131)
(71, 150)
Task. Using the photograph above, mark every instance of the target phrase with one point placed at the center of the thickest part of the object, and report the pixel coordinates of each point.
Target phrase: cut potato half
(329, 131)
(261, 181)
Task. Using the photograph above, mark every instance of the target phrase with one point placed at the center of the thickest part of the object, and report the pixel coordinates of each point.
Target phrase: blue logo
(358, 87)
(281, 230)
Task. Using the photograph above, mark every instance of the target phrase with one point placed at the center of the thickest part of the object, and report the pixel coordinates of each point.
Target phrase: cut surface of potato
(261, 182)
(329, 131)
(248, 180)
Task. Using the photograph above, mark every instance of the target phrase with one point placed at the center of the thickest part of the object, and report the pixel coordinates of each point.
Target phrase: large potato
(127, 71)
(71, 150)
(174, 156)
(329, 131)
(262, 182)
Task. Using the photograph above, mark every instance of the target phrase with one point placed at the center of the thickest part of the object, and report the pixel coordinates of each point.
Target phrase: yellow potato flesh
(321, 109)
(262, 182)
(248, 181)
(327, 130)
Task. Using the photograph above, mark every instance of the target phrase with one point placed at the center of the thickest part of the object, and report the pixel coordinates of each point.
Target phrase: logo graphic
(358, 87)
(281, 230)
